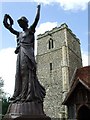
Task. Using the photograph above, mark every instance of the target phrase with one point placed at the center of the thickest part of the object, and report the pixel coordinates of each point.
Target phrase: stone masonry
(58, 55)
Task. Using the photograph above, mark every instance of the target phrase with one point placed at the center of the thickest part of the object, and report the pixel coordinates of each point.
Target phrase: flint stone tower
(58, 55)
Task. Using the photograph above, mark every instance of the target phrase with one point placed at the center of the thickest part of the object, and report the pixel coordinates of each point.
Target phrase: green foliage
(1, 82)
(5, 104)
(1, 85)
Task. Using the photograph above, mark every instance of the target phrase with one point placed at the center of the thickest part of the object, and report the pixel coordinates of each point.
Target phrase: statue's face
(23, 24)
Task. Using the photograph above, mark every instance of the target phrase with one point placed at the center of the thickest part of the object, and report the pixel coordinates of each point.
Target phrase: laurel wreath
(10, 20)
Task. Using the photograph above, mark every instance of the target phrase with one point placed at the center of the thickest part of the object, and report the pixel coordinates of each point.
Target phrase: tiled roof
(82, 75)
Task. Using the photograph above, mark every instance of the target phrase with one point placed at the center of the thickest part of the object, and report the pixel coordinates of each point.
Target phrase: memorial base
(26, 111)
(27, 117)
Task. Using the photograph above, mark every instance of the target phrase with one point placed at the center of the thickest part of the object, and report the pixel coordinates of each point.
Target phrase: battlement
(61, 27)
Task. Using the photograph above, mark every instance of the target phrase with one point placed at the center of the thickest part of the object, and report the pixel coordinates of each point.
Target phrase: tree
(1, 92)
(4, 101)
(1, 85)
(5, 104)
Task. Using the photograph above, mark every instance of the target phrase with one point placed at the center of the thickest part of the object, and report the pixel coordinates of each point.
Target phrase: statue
(27, 86)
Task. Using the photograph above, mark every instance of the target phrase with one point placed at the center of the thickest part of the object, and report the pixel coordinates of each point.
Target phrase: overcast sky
(53, 13)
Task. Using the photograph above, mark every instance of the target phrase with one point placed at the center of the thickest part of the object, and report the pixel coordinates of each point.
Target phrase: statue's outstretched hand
(8, 22)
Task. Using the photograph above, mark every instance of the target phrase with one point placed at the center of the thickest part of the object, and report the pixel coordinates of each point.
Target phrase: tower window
(50, 66)
(51, 44)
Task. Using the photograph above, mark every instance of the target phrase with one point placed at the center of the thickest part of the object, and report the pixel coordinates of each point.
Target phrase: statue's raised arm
(9, 25)
(37, 17)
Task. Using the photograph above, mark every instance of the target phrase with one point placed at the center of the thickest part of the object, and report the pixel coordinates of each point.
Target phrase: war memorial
(29, 94)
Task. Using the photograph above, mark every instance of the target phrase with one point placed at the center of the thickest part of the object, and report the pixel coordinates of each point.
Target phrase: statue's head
(23, 22)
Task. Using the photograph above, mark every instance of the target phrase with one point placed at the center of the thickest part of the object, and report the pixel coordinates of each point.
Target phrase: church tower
(58, 55)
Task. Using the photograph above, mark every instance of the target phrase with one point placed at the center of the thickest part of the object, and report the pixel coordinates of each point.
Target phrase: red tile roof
(82, 75)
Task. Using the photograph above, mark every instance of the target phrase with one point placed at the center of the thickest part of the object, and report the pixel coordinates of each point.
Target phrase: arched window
(51, 44)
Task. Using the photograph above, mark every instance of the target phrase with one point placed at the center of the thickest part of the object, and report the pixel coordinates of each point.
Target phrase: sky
(53, 13)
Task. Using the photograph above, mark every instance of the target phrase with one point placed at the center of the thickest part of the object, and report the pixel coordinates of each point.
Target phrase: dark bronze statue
(27, 86)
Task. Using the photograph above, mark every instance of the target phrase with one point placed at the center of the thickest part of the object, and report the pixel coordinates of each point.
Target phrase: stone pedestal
(26, 111)
(28, 118)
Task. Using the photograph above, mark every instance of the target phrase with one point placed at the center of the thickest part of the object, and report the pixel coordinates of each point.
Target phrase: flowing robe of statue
(26, 79)
(27, 86)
